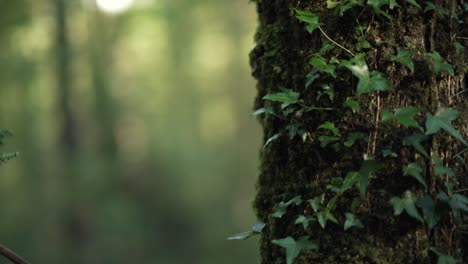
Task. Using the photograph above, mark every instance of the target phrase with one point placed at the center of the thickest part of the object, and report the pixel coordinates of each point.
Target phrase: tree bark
(291, 167)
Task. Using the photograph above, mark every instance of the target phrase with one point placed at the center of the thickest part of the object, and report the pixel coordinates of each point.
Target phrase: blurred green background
(132, 119)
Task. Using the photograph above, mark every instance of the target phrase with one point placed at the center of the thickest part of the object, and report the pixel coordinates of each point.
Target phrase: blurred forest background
(132, 119)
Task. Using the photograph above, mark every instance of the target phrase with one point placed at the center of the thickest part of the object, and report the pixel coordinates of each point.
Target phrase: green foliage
(404, 57)
(352, 221)
(425, 205)
(288, 97)
(352, 104)
(443, 120)
(415, 141)
(407, 204)
(458, 47)
(294, 247)
(368, 81)
(430, 6)
(304, 220)
(415, 171)
(311, 19)
(403, 115)
(443, 258)
(256, 229)
(439, 65)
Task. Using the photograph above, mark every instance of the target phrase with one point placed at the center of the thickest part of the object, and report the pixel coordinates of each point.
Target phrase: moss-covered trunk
(299, 162)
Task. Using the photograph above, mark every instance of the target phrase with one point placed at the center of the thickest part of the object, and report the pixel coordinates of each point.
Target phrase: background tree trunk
(291, 167)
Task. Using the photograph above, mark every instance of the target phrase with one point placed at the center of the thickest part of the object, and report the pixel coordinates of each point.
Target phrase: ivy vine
(428, 207)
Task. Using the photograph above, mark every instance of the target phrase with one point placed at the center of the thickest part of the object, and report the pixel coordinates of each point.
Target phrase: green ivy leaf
(443, 258)
(353, 137)
(311, 19)
(352, 221)
(330, 127)
(458, 47)
(431, 6)
(304, 220)
(321, 65)
(263, 110)
(293, 247)
(404, 57)
(324, 216)
(459, 202)
(415, 141)
(271, 139)
(296, 200)
(316, 202)
(415, 171)
(404, 116)
(431, 211)
(287, 98)
(377, 4)
(256, 229)
(352, 104)
(440, 65)
(440, 169)
(443, 120)
(368, 81)
(414, 3)
(349, 181)
(389, 153)
(368, 166)
(406, 203)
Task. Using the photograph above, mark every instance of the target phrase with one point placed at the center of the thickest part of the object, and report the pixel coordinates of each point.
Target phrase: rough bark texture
(291, 167)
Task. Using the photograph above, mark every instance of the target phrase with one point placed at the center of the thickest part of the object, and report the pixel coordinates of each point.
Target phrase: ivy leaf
(331, 4)
(304, 220)
(431, 212)
(368, 81)
(377, 4)
(310, 18)
(271, 139)
(351, 179)
(330, 127)
(415, 141)
(296, 200)
(352, 221)
(353, 137)
(404, 57)
(321, 65)
(311, 77)
(440, 169)
(443, 120)
(415, 171)
(282, 206)
(324, 216)
(256, 229)
(389, 153)
(443, 258)
(368, 166)
(440, 65)
(406, 203)
(316, 202)
(287, 98)
(414, 3)
(352, 104)
(404, 116)
(293, 247)
(458, 47)
(280, 211)
(347, 5)
(459, 202)
(431, 6)
(263, 110)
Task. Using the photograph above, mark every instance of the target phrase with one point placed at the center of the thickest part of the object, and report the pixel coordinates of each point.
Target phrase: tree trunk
(299, 165)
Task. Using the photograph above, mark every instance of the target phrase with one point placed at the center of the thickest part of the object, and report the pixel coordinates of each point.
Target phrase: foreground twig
(12, 256)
